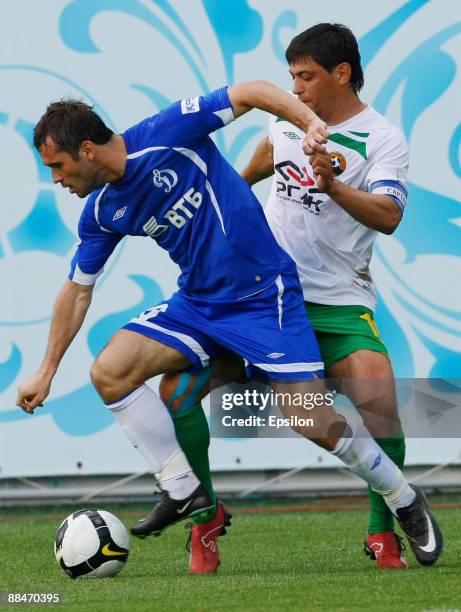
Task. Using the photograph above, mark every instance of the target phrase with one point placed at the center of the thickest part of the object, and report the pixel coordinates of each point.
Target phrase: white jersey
(332, 251)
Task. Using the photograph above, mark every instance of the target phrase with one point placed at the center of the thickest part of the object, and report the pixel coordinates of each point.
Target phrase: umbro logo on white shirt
(292, 135)
(119, 214)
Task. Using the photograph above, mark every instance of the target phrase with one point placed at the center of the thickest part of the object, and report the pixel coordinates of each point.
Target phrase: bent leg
(349, 440)
(182, 393)
(119, 374)
(368, 381)
(128, 360)
(366, 377)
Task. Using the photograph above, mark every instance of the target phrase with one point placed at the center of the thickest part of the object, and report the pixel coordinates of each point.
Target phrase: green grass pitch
(295, 560)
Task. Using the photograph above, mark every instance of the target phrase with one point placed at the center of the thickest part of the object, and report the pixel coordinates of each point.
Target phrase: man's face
(315, 86)
(78, 175)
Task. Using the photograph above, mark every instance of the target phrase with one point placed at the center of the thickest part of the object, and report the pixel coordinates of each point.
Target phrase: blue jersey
(178, 190)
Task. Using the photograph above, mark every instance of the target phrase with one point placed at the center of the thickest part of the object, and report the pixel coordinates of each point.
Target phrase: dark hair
(69, 123)
(328, 44)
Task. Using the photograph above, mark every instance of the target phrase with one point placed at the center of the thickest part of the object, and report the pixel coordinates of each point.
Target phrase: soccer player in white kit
(326, 212)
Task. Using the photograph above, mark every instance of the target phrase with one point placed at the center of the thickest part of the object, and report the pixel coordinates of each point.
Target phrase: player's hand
(33, 392)
(316, 137)
(323, 171)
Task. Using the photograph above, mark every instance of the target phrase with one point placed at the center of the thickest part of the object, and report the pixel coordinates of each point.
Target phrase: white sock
(148, 425)
(364, 457)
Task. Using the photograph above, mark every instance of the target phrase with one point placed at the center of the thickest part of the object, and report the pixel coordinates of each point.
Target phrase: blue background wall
(131, 58)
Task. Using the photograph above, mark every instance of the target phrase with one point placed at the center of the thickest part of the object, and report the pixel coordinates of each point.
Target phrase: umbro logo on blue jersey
(119, 214)
(153, 229)
(275, 355)
(165, 179)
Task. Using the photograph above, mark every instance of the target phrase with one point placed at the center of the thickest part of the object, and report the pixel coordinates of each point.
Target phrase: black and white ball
(91, 544)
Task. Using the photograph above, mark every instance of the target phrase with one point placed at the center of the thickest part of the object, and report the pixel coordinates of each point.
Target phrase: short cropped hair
(328, 44)
(70, 122)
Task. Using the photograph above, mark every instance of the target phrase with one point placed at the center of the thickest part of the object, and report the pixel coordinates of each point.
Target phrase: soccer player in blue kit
(165, 179)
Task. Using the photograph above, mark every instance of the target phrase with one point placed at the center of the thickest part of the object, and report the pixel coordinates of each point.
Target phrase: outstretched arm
(269, 98)
(69, 313)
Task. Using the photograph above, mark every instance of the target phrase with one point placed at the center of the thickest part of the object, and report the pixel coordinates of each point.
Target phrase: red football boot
(203, 542)
(386, 549)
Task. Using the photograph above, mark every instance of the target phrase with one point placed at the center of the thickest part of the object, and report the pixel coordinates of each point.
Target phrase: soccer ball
(91, 544)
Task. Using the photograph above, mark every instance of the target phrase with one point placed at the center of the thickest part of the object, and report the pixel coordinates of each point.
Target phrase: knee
(180, 391)
(168, 389)
(320, 425)
(103, 380)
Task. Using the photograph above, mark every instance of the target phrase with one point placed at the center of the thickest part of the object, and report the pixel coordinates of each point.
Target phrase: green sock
(381, 518)
(193, 435)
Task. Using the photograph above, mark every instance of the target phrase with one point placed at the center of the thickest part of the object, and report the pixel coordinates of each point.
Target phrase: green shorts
(342, 330)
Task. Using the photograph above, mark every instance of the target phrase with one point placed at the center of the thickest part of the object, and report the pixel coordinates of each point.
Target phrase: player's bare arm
(261, 165)
(69, 313)
(269, 98)
(379, 212)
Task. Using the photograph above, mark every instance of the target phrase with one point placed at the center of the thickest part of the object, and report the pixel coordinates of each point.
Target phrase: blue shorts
(269, 329)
